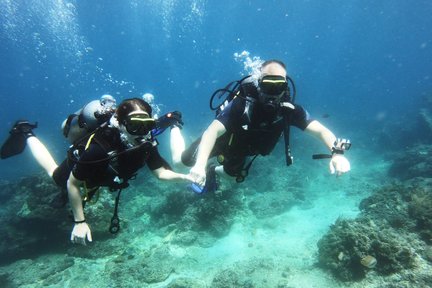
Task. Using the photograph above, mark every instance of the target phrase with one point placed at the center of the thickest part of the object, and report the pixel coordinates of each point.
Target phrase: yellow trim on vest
(89, 141)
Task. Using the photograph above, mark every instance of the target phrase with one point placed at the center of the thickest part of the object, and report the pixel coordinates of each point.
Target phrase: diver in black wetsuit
(251, 124)
(109, 157)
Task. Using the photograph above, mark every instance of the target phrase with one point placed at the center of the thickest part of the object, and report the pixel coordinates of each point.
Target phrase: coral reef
(188, 213)
(378, 207)
(420, 209)
(385, 238)
(390, 238)
(347, 244)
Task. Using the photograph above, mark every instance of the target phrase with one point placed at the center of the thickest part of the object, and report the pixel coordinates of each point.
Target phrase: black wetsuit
(249, 132)
(94, 167)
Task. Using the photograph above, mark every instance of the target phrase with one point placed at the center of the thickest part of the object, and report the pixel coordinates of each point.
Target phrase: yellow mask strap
(273, 81)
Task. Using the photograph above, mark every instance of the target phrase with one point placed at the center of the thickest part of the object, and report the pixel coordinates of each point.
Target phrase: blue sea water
(361, 62)
(357, 65)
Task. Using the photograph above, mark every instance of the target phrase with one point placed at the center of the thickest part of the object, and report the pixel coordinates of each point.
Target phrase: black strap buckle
(115, 220)
(245, 171)
(115, 225)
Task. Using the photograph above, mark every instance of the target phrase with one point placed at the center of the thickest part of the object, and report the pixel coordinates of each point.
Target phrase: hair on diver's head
(271, 61)
(130, 105)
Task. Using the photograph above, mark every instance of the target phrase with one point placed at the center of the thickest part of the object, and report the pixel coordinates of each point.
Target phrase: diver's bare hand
(339, 165)
(80, 232)
(198, 175)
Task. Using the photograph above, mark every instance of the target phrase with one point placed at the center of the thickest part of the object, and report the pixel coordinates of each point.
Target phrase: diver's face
(137, 127)
(139, 123)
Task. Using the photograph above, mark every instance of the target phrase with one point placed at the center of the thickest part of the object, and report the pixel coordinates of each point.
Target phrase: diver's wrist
(79, 221)
(337, 151)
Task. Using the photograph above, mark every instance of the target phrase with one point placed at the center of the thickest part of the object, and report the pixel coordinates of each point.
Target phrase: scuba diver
(109, 154)
(249, 123)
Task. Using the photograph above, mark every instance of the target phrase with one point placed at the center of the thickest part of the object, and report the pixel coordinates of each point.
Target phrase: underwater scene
(360, 71)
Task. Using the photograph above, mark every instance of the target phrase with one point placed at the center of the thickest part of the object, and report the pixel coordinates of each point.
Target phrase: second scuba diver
(109, 156)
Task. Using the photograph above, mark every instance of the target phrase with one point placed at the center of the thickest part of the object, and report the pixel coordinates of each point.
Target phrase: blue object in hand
(196, 188)
(211, 183)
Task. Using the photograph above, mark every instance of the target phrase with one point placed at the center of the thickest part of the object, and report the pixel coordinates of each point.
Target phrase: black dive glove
(168, 120)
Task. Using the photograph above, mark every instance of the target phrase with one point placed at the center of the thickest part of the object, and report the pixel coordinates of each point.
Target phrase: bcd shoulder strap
(68, 123)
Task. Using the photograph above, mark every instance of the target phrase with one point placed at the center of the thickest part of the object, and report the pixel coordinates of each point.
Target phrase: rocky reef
(256, 272)
(168, 232)
(415, 161)
(29, 222)
(37, 223)
(425, 115)
(410, 127)
(36, 218)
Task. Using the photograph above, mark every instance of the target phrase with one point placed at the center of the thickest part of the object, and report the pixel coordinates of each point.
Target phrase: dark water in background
(364, 63)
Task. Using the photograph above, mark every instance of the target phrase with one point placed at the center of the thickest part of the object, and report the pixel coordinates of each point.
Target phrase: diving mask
(273, 85)
(272, 89)
(139, 124)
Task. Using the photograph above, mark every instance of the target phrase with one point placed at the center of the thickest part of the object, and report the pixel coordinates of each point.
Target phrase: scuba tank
(88, 118)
